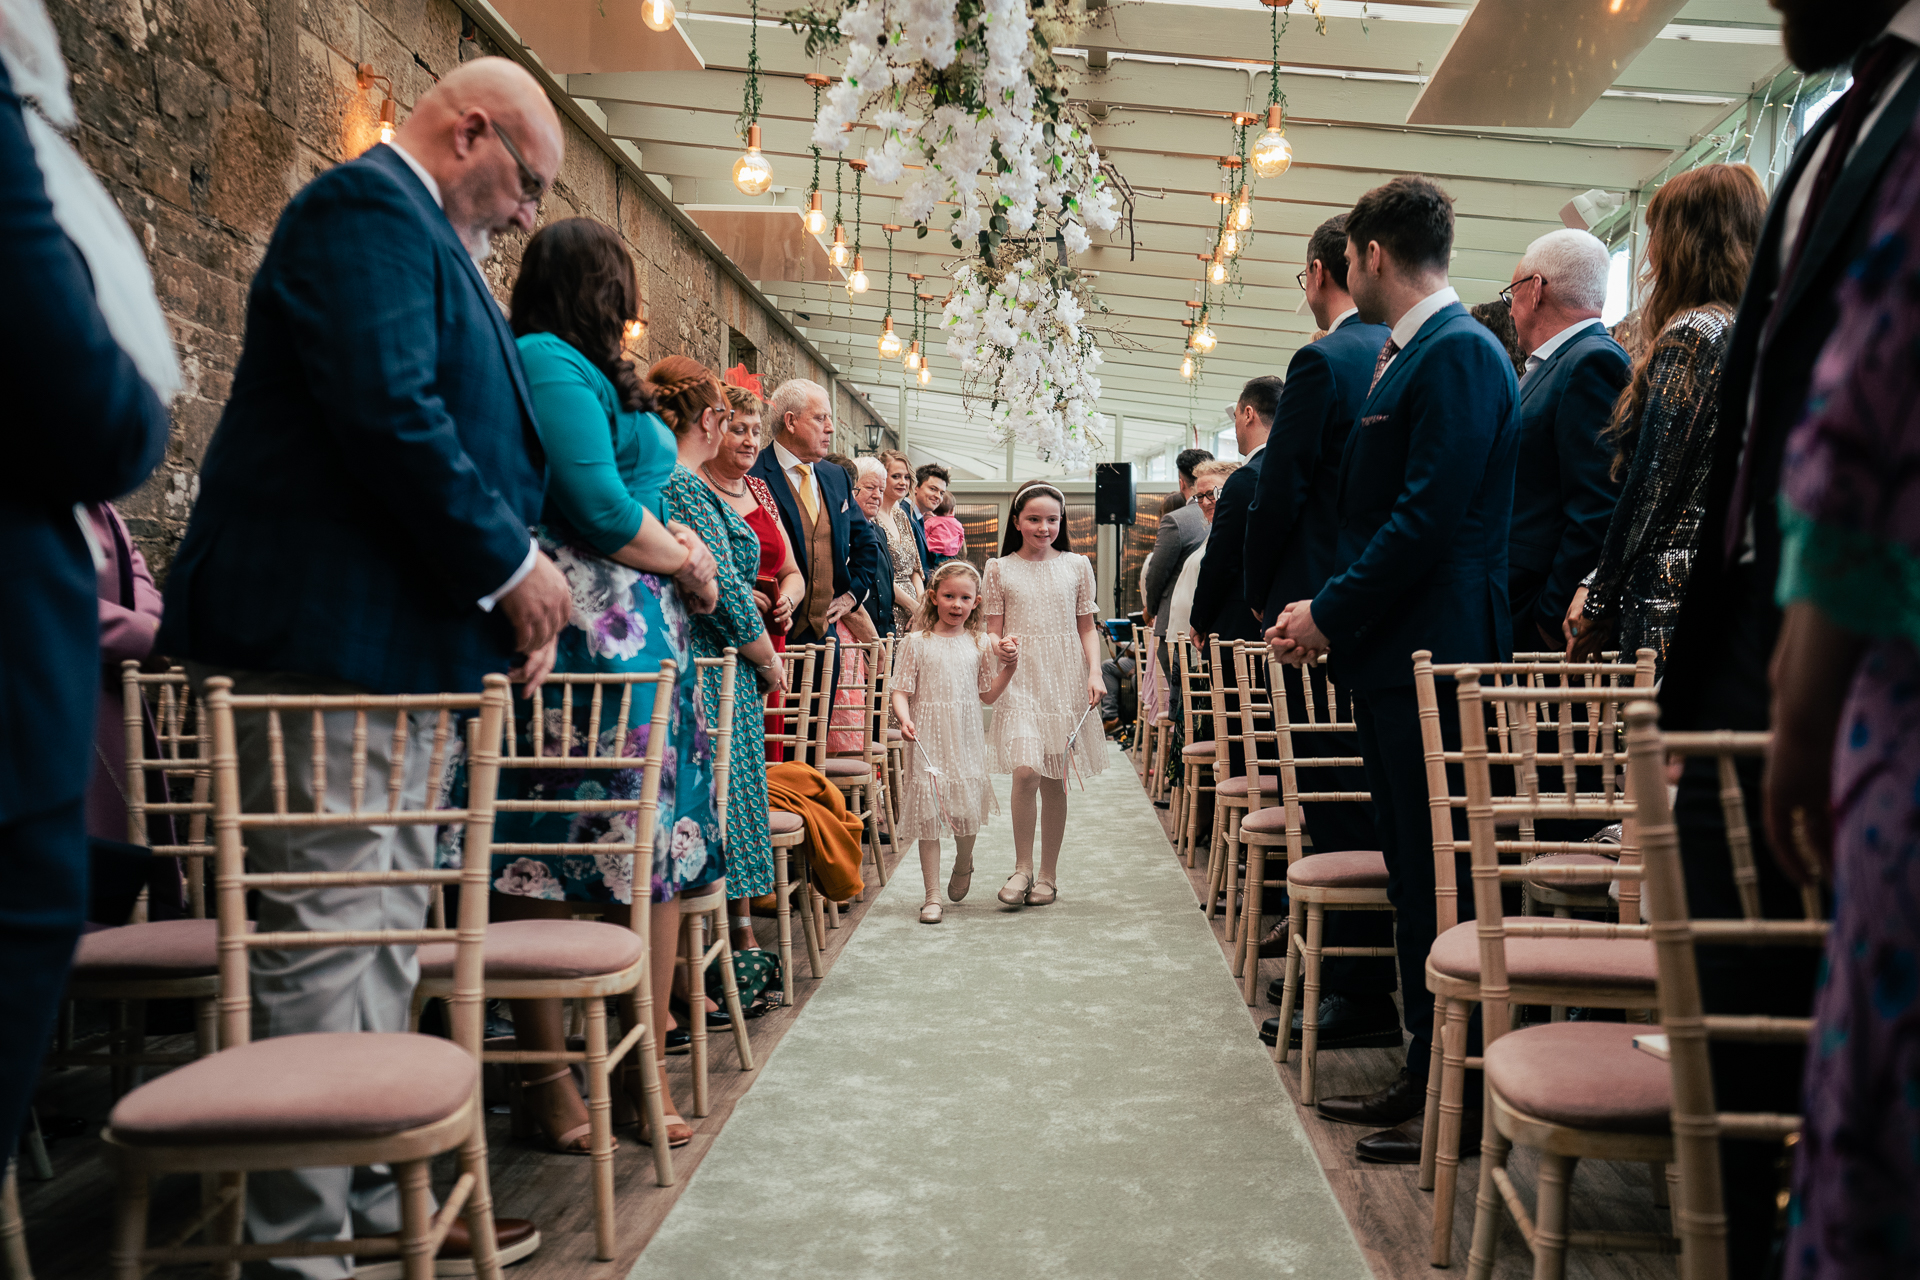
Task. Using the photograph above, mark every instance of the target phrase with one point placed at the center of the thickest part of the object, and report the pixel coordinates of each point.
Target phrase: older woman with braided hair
(696, 406)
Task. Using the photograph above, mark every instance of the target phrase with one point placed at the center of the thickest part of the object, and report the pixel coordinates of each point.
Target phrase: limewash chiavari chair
(709, 910)
(789, 729)
(1572, 1090)
(1230, 793)
(861, 776)
(324, 1099)
(888, 748)
(135, 963)
(1551, 969)
(831, 676)
(583, 960)
(1159, 723)
(1698, 1123)
(1142, 724)
(1196, 754)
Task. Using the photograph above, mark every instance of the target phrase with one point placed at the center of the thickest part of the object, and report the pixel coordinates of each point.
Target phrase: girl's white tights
(1032, 790)
(930, 862)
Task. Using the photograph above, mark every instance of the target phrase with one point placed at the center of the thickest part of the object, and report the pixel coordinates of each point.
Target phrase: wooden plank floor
(1393, 1218)
(68, 1218)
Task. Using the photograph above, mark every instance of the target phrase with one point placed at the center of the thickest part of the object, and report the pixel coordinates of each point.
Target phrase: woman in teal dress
(692, 399)
(634, 577)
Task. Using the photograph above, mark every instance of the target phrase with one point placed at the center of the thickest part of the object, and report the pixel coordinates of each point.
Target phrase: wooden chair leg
(1310, 1005)
(230, 1227)
(643, 1065)
(693, 947)
(1430, 1123)
(600, 1134)
(783, 919)
(1290, 980)
(1214, 858)
(14, 1263)
(1550, 1216)
(1247, 968)
(129, 1225)
(479, 1211)
(731, 991)
(1657, 1178)
(1446, 1147)
(416, 1219)
(810, 925)
(1487, 1205)
(1230, 870)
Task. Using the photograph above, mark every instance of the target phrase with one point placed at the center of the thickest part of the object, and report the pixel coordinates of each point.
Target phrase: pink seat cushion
(894, 735)
(1269, 785)
(847, 768)
(536, 949)
(782, 823)
(1198, 750)
(1549, 961)
(160, 949)
(1340, 869)
(307, 1088)
(1586, 1075)
(1572, 860)
(1270, 821)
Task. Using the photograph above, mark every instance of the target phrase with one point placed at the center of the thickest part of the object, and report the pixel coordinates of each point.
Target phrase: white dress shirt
(533, 547)
(1418, 314)
(1342, 318)
(1544, 352)
(788, 460)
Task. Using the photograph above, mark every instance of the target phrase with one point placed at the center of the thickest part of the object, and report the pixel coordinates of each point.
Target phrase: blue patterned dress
(736, 555)
(606, 467)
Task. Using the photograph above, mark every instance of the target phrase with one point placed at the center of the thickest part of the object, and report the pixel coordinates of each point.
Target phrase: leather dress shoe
(514, 1238)
(1401, 1144)
(1274, 947)
(1345, 1023)
(1400, 1101)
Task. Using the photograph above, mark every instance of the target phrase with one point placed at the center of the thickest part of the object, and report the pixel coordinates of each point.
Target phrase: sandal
(1042, 893)
(1016, 897)
(577, 1141)
(679, 1132)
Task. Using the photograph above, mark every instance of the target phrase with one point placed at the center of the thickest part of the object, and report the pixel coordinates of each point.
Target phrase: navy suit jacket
(376, 469)
(85, 427)
(1425, 499)
(918, 523)
(1292, 525)
(855, 557)
(1778, 333)
(879, 605)
(1563, 495)
(1219, 607)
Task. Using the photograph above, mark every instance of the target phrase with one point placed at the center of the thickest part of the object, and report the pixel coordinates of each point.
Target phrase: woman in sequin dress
(1702, 227)
(897, 525)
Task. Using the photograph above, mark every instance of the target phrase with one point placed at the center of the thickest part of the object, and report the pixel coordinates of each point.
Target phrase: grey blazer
(1180, 534)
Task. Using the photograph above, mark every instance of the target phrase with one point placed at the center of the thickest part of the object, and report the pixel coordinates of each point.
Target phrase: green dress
(606, 467)
(735, 622)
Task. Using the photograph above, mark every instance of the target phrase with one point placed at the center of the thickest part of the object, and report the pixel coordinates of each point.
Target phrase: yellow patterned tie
(805, 492)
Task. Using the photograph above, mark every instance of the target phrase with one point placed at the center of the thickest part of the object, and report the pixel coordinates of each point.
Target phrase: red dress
(764, 520)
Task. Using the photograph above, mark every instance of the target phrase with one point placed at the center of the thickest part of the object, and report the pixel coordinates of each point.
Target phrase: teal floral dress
(736, 555)
(606, 468)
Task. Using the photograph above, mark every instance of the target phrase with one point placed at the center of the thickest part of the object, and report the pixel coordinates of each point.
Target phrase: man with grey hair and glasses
(1563, 491)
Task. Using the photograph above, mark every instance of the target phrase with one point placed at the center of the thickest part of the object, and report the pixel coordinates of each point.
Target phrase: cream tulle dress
(943, 678)
(1042, 602)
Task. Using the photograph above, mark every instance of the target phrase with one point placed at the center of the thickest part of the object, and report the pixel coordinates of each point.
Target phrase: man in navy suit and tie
(1220, 606)
(1563, 491)
(832, 540)
(1290, 537)
(929, 490)
(363, 526)
(1425, 503)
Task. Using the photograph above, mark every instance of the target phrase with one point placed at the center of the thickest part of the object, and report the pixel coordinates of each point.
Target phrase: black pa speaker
(1113, 499)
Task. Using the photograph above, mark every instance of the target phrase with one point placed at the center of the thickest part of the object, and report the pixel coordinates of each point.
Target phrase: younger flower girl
(942, 672)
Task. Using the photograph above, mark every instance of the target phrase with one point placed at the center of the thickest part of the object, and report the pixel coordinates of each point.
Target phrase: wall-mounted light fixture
(368, 78)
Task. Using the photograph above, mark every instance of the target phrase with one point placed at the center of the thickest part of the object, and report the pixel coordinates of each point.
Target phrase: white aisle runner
(1065, 1091)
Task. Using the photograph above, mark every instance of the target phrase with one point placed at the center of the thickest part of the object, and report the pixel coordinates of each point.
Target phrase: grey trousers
(335, 988)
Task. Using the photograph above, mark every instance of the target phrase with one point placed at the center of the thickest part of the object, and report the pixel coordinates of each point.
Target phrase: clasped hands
(696, 577)
(1294, 638)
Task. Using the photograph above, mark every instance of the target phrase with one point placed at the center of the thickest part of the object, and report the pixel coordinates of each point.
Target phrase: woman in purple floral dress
(1843, 780)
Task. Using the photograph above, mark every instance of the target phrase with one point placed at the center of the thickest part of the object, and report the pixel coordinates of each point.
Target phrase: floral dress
(736, 554)
(943, 678)
(605, 465)
(1045, 704)
(1850, 531)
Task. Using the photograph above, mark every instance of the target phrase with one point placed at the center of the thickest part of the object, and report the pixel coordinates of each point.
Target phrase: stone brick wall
(204, 116)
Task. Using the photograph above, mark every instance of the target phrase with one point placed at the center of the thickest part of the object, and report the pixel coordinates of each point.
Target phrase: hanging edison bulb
(1229, 243)
(1186, 368)
(912, 361)
(751, 172)
(657, 14)
(889, 341)
(1243, 212)
(1217, 269)
(1272, 153)
(857, 282)
(837, 254)
(1202, 340)
(816, 217)
(926, 375)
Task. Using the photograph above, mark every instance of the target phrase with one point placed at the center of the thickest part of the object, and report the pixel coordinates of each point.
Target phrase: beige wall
(204, 116)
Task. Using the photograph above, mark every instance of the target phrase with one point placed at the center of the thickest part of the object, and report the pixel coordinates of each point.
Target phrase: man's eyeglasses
(1302, 278)
(1506, 294)
(532, 187)
(1210, 497)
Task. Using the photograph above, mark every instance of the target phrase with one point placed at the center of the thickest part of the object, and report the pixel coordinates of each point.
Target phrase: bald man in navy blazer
(1425, 503)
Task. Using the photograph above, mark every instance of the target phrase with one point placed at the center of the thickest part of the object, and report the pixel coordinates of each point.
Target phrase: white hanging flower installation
(1022, 348)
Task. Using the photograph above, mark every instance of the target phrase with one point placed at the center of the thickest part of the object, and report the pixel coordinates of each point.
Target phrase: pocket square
(843, 508)
(1373, 418)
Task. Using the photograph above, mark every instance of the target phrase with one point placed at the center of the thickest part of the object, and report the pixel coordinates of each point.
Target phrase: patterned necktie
(805, 491)
(1387, 353)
